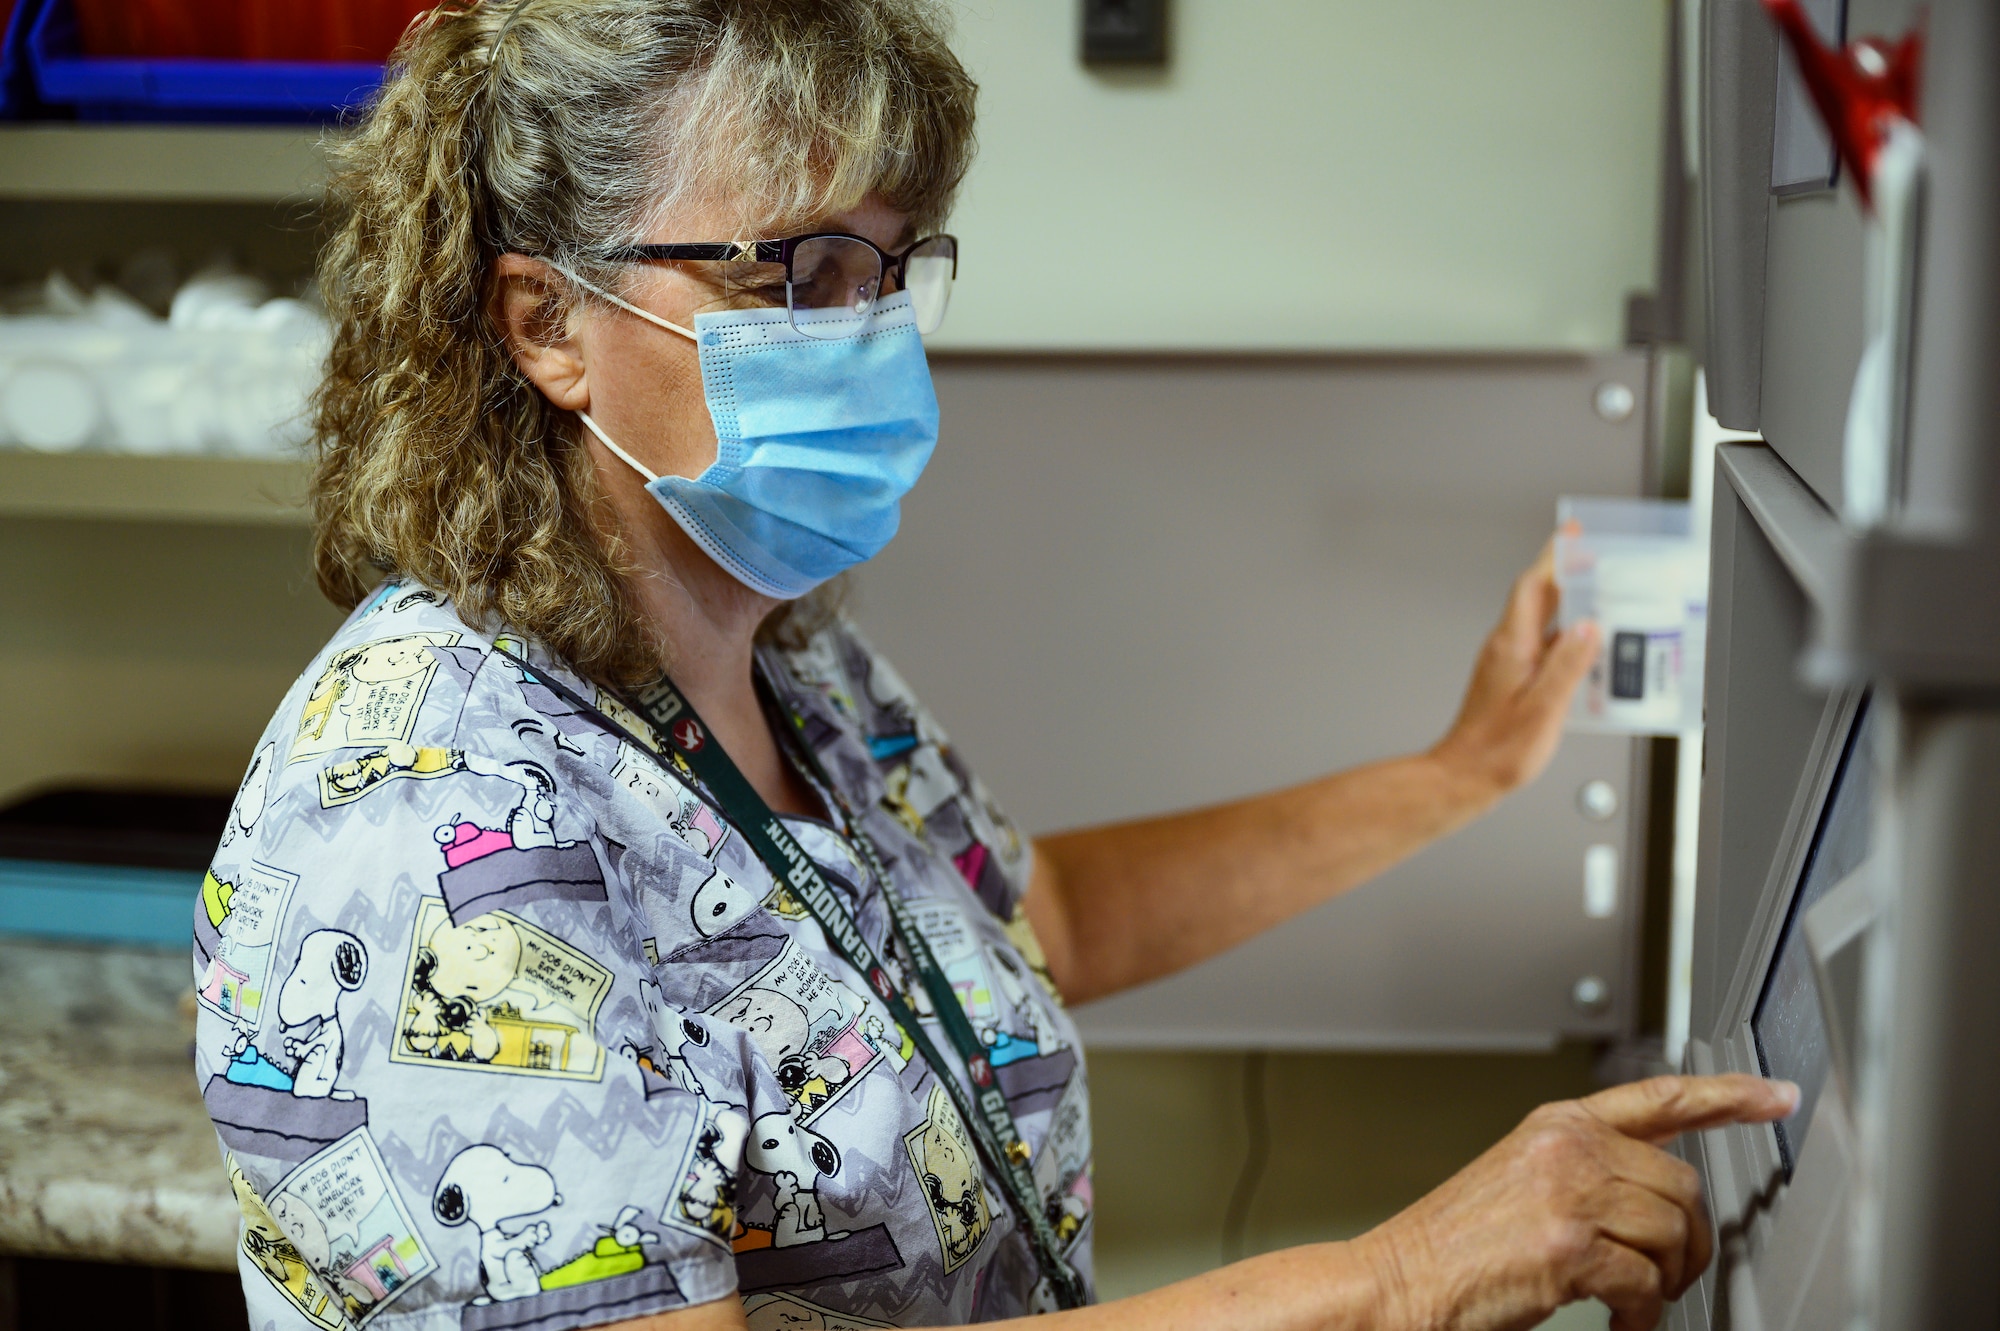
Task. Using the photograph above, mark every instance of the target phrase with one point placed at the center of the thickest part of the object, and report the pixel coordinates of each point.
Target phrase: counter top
(105, 1150)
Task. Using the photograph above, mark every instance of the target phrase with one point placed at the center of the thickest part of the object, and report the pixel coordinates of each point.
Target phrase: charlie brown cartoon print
(498, 993)
(943, 1156)
(503, 1025)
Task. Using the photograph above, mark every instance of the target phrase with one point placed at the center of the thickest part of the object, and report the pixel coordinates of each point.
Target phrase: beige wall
(1305, 174)
(147, 652)
(1424, 174)
(1354, 1139)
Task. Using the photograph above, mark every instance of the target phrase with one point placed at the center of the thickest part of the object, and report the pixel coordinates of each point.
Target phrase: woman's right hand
(1577, 1202)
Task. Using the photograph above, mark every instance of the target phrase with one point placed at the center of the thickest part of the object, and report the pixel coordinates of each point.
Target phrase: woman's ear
(529, 304)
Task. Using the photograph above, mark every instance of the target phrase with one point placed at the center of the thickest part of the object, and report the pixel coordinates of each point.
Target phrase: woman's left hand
(1512, 717)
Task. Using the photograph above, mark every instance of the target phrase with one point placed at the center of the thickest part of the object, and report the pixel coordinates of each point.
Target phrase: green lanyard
(675, 724)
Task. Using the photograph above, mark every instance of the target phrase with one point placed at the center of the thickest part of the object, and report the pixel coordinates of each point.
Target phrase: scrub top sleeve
(446, 1087)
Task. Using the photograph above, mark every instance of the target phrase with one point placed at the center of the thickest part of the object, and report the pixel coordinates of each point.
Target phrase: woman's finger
(1677, 1184)
(1563, 667)
(1661, 1108)
(1625, 1281)
(1650, 1167)
(1548, 596)
(1651, 1225)
(1531, 603)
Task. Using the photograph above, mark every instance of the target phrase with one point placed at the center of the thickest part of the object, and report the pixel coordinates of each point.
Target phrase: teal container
(98, 903)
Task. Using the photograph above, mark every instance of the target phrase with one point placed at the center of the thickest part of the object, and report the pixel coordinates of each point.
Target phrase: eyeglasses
(831, 279)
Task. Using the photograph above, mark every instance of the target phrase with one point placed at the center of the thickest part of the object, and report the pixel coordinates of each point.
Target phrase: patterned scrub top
(502, 1026)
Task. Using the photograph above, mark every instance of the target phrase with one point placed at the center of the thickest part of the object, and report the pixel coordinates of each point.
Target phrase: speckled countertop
(105, 1150)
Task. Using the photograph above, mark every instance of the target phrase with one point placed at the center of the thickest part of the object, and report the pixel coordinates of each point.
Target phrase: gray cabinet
(1134, 585)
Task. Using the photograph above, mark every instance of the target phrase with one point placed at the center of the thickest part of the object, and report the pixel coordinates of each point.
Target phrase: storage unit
(69, 79)
(1847, 922)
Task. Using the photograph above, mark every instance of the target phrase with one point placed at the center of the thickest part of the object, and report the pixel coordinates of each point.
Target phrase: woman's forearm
(1575, 1203)
(1116, 906)
(1350, 1286)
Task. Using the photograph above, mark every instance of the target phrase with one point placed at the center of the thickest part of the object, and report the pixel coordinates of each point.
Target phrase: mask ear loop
(623, 456)
(651, 318)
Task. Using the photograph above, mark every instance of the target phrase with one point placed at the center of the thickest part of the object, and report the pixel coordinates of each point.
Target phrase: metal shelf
(119, 486)
(230, 163)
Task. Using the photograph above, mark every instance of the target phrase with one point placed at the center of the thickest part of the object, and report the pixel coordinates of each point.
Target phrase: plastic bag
(1633, 566)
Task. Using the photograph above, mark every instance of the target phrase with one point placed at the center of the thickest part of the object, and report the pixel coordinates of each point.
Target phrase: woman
(639, 940)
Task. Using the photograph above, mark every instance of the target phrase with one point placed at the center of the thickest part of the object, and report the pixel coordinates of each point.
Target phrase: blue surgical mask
(819, 440)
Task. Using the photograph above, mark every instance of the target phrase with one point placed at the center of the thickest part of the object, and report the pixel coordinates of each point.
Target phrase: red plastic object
(1859, 91)
(352, 31)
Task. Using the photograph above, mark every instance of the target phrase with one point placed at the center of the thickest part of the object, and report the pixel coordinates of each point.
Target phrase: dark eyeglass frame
(777, 251)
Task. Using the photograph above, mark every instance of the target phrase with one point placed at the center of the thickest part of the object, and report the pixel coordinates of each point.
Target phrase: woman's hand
(1512, 717)
(1577, 1202)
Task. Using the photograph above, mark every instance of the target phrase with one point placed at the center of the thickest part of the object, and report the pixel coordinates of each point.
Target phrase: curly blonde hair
(562, 128)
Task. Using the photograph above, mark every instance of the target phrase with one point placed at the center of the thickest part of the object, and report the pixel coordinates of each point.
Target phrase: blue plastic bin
(98, 903)
(107, 866)
(16, 85)
(164, 88)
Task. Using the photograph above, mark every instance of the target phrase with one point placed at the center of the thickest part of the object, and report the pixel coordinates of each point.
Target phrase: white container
(139, 386)
(1634, 567)
(50, 403)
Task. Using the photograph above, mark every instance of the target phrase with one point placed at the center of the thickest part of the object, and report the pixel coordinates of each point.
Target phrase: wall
(149, 653)
(1331, 174)
(1353, 1138)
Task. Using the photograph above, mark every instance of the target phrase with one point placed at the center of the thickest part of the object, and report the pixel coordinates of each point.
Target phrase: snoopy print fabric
(503, 1026)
